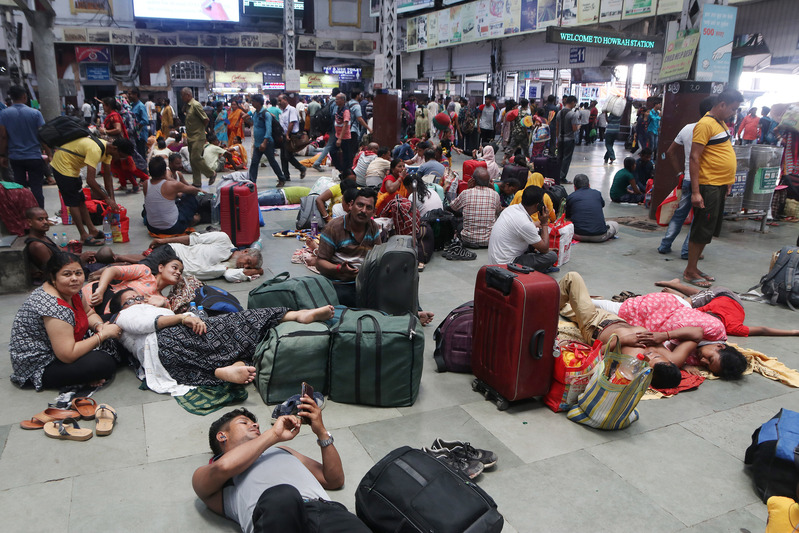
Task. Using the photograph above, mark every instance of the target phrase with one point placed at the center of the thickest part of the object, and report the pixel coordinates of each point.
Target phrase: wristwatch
(327, 442)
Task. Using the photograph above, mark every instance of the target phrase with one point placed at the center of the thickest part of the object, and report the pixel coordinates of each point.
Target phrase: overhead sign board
(92, 54)
(607, 39)
(715, 44)
(679, 56)
(344, 73)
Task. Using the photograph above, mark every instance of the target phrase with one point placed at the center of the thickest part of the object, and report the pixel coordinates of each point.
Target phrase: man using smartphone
(269, 488)
(515, 238)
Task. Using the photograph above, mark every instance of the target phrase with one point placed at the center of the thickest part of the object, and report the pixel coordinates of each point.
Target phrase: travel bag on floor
(773, 456)
(304, 292)
(453, 338)
(389, 277)
(307, 209)
(216, 301)
(290, 354)
(573, 370)
(410, 491)
(239, 212)
(781, 284)
(515, 324)
(376, 359)
(549, 167)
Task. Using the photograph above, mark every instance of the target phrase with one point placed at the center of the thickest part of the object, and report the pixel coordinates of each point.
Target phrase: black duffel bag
(411, 491)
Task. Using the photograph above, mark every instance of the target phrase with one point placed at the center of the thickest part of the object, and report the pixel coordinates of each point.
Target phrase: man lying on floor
(725, 305)
(671, 336)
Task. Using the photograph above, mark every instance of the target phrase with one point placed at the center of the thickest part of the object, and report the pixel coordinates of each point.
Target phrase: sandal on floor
(38, 421)
(698, 282)
(708, 277)
(60, 429)
(91, 241)
(106, 418)
(86, 407)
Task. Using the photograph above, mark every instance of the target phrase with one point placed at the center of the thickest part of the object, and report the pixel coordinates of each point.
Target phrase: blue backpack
(774, 456)
(216, 301)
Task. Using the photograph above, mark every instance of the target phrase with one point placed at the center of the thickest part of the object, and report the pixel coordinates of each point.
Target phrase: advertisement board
(715, 43)
(679, 56)
(267, 8)
(199, 10)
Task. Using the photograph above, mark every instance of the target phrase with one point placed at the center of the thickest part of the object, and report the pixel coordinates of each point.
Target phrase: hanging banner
(469, 22)
(715, 43)
(411, 29)
(529, 17)
(91, 6)
(432, 29)
(587, 11)
(455, 27)
(511, 20)
(568, 13)
(444, 29)
(679, 56)
(638, 8)
(669, 6)
(92, 54)
(610, 10)
(547, 13)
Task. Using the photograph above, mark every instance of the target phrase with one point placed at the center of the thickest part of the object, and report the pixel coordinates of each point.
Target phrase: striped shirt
(338, 245)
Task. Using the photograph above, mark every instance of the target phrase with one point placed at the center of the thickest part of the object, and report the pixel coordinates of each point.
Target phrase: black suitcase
(549, 167)
(411, 491)
(389, 277)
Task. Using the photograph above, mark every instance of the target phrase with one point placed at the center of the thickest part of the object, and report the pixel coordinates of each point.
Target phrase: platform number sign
(577, 55)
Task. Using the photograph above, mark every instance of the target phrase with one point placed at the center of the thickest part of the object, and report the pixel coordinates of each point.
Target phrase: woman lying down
(177, 351)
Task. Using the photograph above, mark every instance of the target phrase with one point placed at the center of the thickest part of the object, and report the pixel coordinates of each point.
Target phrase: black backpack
(277, 130)
(410, 490)
(781, 284)
(773, 456)
(61, 130)
(322, 121)
(216, 301)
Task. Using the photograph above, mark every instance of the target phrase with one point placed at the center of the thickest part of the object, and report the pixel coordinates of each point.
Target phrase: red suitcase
(515, 324)
(238, 213)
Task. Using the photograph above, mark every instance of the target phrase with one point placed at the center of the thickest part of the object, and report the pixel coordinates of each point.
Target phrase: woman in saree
(180, 350)
(221, 124)
(236, 118)
(167, 119)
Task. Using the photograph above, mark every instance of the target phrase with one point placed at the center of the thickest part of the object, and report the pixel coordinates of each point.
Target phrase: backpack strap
(782, 260)
(790, 275)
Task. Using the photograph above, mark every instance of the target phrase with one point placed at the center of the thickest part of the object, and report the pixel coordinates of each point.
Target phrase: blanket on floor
(764, 365)
(287, 207)
(208, 399)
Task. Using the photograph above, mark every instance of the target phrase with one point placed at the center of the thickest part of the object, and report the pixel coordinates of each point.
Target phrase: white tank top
(274, 467)
(161, 213)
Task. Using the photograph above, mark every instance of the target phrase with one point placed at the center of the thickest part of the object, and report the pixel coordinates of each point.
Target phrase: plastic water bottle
(57, 240)
(314, 224)
(193, 309)
(214, 212)
(64, 240)
(201, 313)
(258, 245)
(629, 369)
(107, 231)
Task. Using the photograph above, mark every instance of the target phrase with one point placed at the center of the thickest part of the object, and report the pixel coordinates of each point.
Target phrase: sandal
(106, 418)
(699, 282)
(86, 407)
(38, 421)
(60, 430)
(708, 277)
(92, 241)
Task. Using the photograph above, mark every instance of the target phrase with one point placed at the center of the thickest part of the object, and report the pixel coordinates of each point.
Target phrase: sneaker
(454, 243)
(465, 450)
(552, 270)
(662, 250)
(318, 168)
(280, 184)
(290, 406)
(466, 467)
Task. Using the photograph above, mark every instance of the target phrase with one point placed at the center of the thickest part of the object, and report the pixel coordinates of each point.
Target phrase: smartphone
(306, 389)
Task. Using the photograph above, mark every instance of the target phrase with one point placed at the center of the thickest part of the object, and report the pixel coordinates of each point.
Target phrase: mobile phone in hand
(306, 389)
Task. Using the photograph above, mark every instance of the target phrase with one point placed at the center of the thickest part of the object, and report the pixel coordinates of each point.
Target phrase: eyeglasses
(134, 300)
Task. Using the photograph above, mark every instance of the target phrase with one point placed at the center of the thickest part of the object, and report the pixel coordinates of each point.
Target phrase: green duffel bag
(290, 354)
(376, 359)
(304, 292)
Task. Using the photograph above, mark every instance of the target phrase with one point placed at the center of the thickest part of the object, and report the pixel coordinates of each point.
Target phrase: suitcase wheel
(490, 394)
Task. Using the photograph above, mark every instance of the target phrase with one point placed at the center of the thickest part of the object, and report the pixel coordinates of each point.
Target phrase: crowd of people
(91, 311)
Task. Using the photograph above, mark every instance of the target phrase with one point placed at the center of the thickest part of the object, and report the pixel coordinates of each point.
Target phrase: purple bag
(453, 339)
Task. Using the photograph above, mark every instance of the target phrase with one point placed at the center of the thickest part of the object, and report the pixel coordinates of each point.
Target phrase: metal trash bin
(763, 177)
(733, 202)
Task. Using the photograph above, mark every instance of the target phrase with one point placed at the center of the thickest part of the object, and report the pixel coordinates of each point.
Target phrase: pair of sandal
(96, 240)
(624, 295)
(56, 422)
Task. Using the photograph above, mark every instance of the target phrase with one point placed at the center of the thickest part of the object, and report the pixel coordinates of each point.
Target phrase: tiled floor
(679, 468)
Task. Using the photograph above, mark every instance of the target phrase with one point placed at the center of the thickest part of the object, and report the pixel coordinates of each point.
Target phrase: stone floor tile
(39, 507)
(738, 521)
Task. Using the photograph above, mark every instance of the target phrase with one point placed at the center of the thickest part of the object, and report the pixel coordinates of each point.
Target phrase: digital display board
(608, 39)
(199, 10)
(257, 8)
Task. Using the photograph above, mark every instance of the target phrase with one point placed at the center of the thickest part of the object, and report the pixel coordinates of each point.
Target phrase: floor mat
(642, 223)
(206, 400)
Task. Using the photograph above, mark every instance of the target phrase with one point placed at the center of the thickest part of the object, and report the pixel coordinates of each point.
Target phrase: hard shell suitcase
(453, 339)
(515, 324)
(389, 277)
(549, 167)
(411, 491)
(239, 212)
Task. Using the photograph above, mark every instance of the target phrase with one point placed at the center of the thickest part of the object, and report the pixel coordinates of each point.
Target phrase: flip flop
(86, 407)
(708, 277)
(698, 282)
(106, 418)
(61, 430)
(38, 421)
(91, 241)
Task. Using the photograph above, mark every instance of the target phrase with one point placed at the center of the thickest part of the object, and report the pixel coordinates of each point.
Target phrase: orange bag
(571, 374)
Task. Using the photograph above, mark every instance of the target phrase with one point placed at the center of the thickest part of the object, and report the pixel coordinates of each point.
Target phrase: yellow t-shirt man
(718, 164)
(75, 155)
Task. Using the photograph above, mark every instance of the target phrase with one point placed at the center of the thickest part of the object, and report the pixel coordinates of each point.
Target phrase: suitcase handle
(522, 269)
(537, 344)
(499, 279)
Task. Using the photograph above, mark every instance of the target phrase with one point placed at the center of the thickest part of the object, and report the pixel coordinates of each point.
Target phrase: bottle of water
(57, 240)
(214, 212)
(629, 369)
(258, 245)
(107, 231)
(201, 313)
(314, 224)
(64, 240)
(193, 309)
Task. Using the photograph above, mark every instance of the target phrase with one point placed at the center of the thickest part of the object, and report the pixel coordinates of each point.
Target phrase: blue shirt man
(584, 210)
(262, 142)
(20, 147)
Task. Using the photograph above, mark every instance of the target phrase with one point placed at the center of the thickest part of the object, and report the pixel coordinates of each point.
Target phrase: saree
(220, 126)
(236, 124)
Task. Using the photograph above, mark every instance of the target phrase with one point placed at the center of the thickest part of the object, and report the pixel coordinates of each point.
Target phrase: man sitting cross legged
(269, 488)
(584, 210)
(599, 324)
(171, 206)
(480, 206)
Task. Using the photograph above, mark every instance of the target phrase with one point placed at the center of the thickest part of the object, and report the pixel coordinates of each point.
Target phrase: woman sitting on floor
(137, 276)
(179, 350)
(49, 345)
